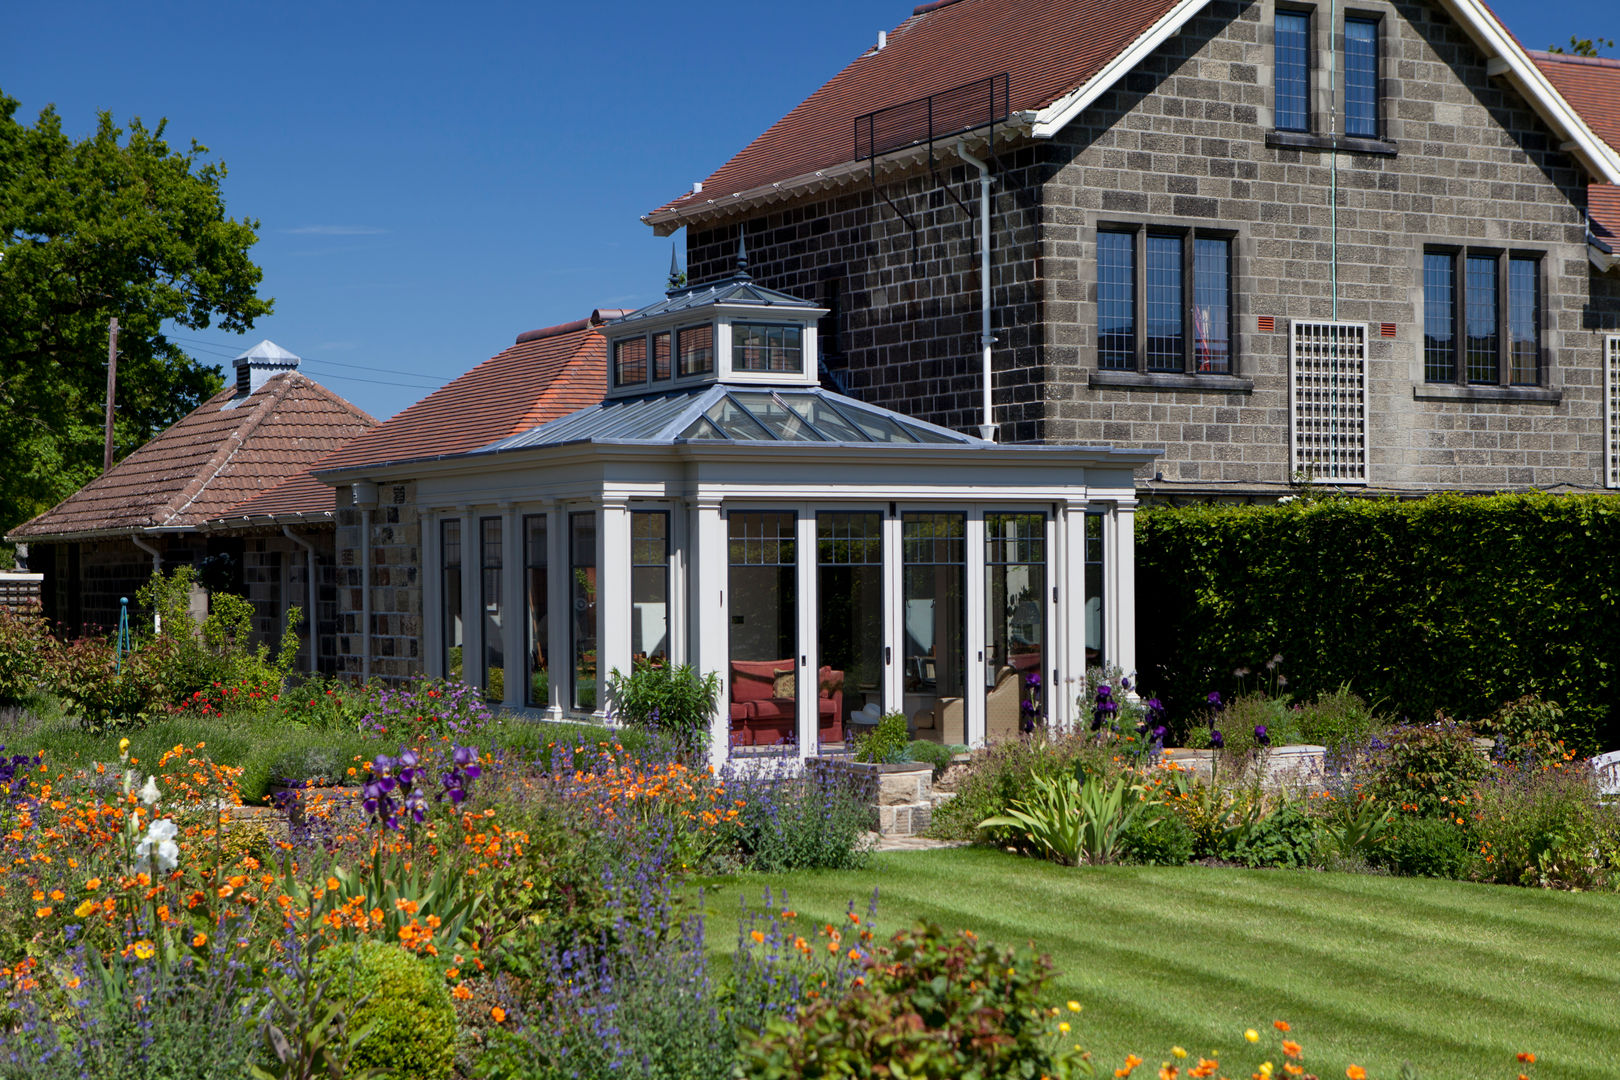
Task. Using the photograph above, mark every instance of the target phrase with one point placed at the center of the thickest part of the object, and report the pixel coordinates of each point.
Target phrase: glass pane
(582, 594)
(450, 592)
(536, 561)
(875, 426)
(1164, 334)
(783, 422)
(1116, 301)
(1482, 341)
(762, 588)
(1361, 78)
(826, 419)
(1293, 63)
(1015, 624)
(1212, 306)
(630, 362)
(849, 624)
(1439, 318)
(762, 347)
(661, 355)
(490, 600)
(1524, 321)
(649, 587)
(736, 423)
(935, 619)
(696, 347)
(1095, 597)
(702, 428)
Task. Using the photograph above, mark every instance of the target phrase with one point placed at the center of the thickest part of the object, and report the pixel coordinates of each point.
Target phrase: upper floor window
(1173, 317)
(769, 348)
(1361, 78)
(1293, 63)
(1481, 318)
(630, 361)
(695, 348)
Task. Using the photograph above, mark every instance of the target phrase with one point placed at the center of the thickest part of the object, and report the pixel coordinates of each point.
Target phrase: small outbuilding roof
(739, 290)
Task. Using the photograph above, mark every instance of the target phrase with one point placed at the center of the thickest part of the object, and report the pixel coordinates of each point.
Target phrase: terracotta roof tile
(546, 374)
(1046, 47)
(1591, 85)
(224, 452)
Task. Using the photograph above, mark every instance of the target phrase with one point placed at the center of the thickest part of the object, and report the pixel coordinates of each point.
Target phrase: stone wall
(395, 543)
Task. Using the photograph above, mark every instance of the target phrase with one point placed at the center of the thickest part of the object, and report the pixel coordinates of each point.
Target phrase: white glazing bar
(1121, 597)
(612, 599)
(708, 616)
(894, 642)
(559, 611)
(977, 677)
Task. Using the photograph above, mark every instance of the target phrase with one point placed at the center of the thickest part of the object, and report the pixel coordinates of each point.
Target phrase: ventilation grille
(1327, 393)
(1267, 323)
(1387, 329)
(1611, 418)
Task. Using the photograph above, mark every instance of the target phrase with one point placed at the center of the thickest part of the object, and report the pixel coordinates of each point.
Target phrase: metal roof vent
(255, 367)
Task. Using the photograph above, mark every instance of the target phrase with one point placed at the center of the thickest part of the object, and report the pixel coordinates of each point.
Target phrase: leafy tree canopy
(1582, 46)
(115, 224)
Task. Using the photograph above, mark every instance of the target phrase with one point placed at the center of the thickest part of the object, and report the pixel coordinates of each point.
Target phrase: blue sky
(432, 180)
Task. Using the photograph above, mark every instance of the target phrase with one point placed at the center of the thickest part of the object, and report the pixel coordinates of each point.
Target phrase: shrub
(1001, 774)
(1545, 826)
(807, 822)
(1285, 837)
(403, 1002)
(220, 651)
(1419, 846)
(1336, 719)
(1075, 819)
(25, 643)
(1423, 770)
(1540, 728)
(939, 755)
(886, 743)
(930, 1008)
(106, 694)
(676, 701)
(1160, 840)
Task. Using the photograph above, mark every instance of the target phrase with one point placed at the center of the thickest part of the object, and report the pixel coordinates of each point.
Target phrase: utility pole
(112, 389)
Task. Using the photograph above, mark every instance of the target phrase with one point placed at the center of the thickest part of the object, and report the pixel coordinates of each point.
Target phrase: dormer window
(660, 356)
(696, 348)
(630, 362)
(765, 348)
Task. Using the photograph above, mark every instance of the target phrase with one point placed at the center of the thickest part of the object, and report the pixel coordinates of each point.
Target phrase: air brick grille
(1327, 397)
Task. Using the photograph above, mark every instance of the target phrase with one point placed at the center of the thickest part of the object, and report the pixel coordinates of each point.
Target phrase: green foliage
(1530, 725)
(887, 741)
(931, 1008)
(219, 652)
(1546, 827)
(806, 822)
(1285, 837)
(1354, 828)
(400, 1001)
(1446, 603)
(117, 223)
(1160, 840)
(1420, 846)
(104, 694)
(939, 755)
(1424, 770)
(25, 643)
(998, 777)
(1579, 46)
(674, 700)
(1336, 719)
(1071, 822)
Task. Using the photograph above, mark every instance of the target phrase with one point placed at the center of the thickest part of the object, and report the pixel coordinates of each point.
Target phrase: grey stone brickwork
(1182, 142)
(395, 543)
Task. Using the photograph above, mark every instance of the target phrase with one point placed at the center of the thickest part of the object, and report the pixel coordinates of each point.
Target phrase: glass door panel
(1015, 624)
(762, 588)
(1095, 598)
(450, 596)
(537, 561)
(649, 588)
(935, 625)
(849, 625)
(582, 593)
(490, 602)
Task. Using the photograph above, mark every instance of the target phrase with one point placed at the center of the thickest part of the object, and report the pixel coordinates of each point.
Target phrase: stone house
(226, 489)
(1365, 244)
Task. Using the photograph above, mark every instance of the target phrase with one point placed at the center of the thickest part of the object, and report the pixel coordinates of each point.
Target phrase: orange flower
(461, 993)
(759, 938)
(1281, 1025)
(93, 884)
(1291, 1048)
(199, 941)
(1527, 1057)
(1356, 1072)
(498, 1014)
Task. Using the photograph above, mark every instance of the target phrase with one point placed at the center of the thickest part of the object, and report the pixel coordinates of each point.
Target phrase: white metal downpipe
(157, 568)
(309, 612)
(987, 430)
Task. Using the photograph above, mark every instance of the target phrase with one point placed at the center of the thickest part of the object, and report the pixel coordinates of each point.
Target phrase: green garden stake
(123, 634)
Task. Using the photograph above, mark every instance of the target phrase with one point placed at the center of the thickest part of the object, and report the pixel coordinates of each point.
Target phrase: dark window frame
(1504, 258)
(1189, 235)
(619, 381)
(700, 355)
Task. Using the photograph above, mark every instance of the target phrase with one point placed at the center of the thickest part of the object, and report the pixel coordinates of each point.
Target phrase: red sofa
(760, 718)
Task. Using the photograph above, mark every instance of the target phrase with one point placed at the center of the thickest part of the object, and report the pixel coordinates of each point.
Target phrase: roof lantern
(255, 367)
(732, 331)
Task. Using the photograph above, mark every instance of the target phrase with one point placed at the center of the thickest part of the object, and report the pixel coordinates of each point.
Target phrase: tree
(1582, 46)
(116, 224)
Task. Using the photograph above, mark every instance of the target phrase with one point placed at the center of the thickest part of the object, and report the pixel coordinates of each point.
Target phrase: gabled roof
(1591, 85)
(225, 452)
(1059, 56)
(737, 289)
(545, 374)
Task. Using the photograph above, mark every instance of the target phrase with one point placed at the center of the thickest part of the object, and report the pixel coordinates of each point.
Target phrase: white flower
(149, 793)
(158, 848)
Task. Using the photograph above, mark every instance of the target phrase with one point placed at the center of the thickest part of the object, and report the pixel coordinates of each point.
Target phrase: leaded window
(1184, 281)
(1292, 60)
(1481, 317)
(1361, 78)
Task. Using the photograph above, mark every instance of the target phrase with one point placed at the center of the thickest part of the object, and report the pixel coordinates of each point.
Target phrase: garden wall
(1448, 603)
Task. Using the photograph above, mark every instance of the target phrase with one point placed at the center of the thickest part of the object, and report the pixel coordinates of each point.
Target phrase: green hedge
(1452, 602)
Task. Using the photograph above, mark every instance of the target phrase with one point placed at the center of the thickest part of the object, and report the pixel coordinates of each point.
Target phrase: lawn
(1455, 978)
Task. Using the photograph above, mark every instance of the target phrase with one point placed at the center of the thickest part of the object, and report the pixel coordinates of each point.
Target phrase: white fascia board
(1602, 260)
(1052, 119)
(1499, 45)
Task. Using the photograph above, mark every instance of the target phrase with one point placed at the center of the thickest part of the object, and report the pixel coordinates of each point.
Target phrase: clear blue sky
(434, 179)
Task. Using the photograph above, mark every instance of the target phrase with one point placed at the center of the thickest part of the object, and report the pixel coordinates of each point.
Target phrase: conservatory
(831, 560)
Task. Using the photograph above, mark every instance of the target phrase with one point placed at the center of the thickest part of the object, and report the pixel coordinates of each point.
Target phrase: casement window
(1361, 117)
(1292, 59)
(695, 346)
(766, 347)
(1297, 39)
(630, 361)
(1164, 301)
(1481, 317)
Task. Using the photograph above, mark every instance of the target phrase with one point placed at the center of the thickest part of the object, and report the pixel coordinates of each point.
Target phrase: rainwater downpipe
(1334, 38)
(157, 568)
(309, 556)
(987, 430)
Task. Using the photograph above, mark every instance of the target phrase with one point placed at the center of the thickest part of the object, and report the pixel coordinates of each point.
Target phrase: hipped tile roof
(225, 452)
(1591, 85)
(545, 374)
(1047, 48)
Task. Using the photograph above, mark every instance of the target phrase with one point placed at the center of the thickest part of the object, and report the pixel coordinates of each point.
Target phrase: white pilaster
(612, 598)
(977, 677)
(1121, 566)
(707, 614)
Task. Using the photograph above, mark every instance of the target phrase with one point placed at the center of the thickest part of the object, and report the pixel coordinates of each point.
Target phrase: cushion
(748, 688)
(784, 684)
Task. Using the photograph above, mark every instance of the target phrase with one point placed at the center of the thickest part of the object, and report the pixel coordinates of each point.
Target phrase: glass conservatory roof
(722, 413)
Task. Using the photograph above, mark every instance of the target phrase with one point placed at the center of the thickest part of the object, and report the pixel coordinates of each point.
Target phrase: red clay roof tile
(1591, 85)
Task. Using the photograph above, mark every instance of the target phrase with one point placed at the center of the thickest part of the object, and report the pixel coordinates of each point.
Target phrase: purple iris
(464, 769)
(1104, 708)
(1216, 739)
(1260, 735)
(1125, 683)
(1214, 699)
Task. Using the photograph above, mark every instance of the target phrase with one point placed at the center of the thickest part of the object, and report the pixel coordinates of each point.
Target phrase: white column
(559, 612)
(471, 611)
(707, 614)
(807, 663)
(680, 542)
(1072, 607)
(977, 676)
(894, 615)
(612, 597)
(514, 616)
(1121, 569)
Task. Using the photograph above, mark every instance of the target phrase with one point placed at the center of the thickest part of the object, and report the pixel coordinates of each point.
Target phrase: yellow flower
(1178, 1052)
(1074, 1006)
(1252, 1035)
(86, 908)
(123, 746)
(1266, 1069)
(1064, 1027)
(144, 950)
